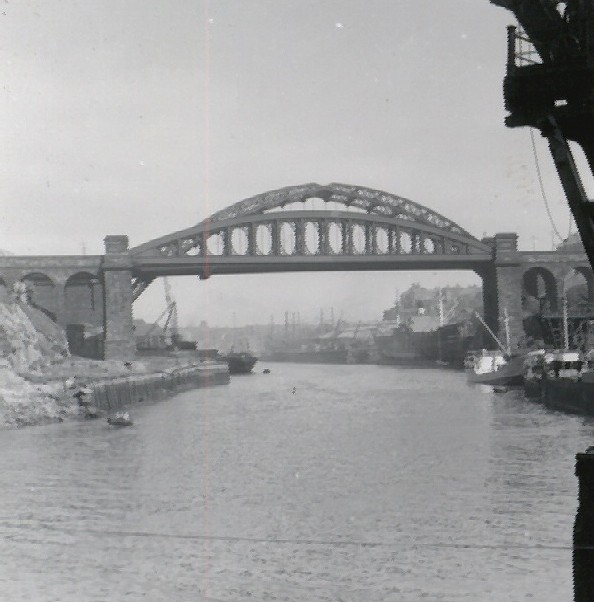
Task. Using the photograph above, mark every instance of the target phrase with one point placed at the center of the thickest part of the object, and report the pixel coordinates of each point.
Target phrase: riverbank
(39, 379)
(50, 394)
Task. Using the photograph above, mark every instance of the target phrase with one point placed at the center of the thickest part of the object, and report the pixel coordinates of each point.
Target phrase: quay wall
(120, 392)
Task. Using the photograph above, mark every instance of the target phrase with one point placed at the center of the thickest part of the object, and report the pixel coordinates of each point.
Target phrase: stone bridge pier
(89, 296)
(117, 285)
(502, 289)
(523, 283)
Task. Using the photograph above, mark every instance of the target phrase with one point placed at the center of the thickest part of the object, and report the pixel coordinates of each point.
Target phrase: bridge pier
(502, 286)
(490, 308)
(509, 284)
(117, 299)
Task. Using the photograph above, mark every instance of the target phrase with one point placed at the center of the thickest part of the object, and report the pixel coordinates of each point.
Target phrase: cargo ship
(343, 345)
(430, 326)
(394, 342)
(239, 362)
(309, 356)
(423, 341)
(322, 349)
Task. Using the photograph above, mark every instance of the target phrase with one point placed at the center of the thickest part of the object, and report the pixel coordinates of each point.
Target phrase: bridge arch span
(40, 291)
(391, 232)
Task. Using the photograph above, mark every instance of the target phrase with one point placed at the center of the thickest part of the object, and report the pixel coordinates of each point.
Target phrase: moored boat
(309, 356)
(568, 383)
(239, 362)
(533, 372)
(496, 368)
(470, 358)
(500, 367)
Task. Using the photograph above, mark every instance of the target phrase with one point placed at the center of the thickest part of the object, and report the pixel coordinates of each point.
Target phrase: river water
(365, 484)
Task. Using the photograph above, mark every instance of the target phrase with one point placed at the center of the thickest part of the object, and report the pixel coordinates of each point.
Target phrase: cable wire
(542, 190)
(317, 542)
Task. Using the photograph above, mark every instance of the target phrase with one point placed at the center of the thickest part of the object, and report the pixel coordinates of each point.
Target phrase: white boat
(497, 369)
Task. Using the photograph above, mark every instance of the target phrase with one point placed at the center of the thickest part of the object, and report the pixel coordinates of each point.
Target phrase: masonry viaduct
(91, 296)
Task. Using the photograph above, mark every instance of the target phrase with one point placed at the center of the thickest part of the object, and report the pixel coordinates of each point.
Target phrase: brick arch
(42, 293)
(83, 314)
(540, 284)
(5, 292)
(588, 276)
(579, 284)
(82, 297)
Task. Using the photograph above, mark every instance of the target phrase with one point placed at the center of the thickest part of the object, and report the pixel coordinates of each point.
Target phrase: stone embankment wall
(124, 391)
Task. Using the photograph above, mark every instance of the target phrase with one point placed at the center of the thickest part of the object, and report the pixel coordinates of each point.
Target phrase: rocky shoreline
(40, 382)
(52, 394)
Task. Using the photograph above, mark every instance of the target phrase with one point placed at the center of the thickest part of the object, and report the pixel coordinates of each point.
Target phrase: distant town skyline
(143, 118)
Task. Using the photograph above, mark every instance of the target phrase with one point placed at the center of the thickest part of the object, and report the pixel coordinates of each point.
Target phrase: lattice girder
(370, 200)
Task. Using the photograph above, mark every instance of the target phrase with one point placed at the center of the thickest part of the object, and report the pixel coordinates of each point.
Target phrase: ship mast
(507, 337)
(441, 318)
(565, 324)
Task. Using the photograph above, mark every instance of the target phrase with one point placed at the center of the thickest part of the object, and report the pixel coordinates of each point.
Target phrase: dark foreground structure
(549, 86)
(583, 532)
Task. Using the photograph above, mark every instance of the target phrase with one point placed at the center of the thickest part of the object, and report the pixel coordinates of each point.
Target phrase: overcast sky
(144, 117)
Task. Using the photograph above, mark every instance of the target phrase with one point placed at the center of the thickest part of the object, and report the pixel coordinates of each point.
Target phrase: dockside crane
(171, 322)
(170, 327)
(549, 85)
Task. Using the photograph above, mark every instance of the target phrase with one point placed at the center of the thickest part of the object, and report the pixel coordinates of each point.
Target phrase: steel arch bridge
(361, 229)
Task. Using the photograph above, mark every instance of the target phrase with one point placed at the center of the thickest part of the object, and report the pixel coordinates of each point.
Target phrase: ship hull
(239, 363)
(310, 357)
(532, 388)
(567, 395)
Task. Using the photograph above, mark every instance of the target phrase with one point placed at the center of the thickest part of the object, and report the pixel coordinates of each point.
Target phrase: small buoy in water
(120, 419)
(266, 371)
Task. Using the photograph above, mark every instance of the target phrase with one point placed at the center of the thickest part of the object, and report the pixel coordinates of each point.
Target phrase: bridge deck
(214, 265)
